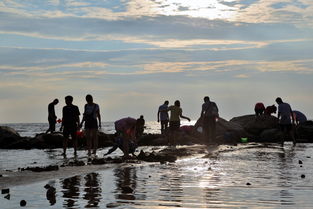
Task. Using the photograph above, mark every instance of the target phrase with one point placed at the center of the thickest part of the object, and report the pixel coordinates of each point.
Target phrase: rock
(8, 196)
(23, 203)
(304, 132)
(255, 125)
(5, 191)
(270, 135)
(300, 162)
(248, 184)
(229, 131)
(8, 136)
(41, 169)
(302, 176)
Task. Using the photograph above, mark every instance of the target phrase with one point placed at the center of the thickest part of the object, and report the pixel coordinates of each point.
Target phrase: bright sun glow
(212, 9)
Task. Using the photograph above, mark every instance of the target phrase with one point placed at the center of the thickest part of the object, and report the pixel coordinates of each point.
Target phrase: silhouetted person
(284, 114)
(127, 128)
(209, 115)
(299, 117)
(118, 143)
(52, 118)
(70, 123)
(163, 116)
(140, 125)
(91, 114)
(176, 113)
(270, 109)
(259, 109)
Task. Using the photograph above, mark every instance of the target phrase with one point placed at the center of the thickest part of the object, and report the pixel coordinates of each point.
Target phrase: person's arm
(115, 146)
(185, 117)
(158, 115)
(83, 119)
(99, 116)
(292, 116)
(62, 125)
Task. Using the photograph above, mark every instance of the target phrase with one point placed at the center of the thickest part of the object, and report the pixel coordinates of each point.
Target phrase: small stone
(308, 157)
(149, 176)
(5, 191)
(300, 162)
(248, 184)
(8, 196)
(23, 203)
(303, 176)
(205, 162)
(301, 166)
(1, 175)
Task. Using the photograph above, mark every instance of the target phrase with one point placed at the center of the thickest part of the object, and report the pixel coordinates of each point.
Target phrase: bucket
(244, 140)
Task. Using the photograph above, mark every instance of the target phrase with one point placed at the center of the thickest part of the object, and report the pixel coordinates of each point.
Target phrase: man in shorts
(163, 116)
(92, 121)
(70, 123)
(284, 114)
(176, 113)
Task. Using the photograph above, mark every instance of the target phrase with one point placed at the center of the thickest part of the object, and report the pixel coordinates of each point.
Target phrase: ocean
(249, 175)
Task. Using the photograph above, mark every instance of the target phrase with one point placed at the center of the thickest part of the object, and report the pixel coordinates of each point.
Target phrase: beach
(249, 175)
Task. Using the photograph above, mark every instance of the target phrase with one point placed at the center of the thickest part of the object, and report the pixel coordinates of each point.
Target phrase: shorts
(91, 124)
(285, 127)
(69, 131)
(174, 125)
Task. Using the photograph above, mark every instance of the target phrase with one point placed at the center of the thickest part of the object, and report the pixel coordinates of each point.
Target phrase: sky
(132, 55)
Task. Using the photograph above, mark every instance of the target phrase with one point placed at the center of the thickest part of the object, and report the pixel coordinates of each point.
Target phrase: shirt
(51, 112)
(175, 113)
(92, 109)
(125, 123)
(299, 116)
(70, 116)
(284, 110)
(163, 112)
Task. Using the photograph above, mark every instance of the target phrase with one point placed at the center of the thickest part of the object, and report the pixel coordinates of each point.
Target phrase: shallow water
(216, 181)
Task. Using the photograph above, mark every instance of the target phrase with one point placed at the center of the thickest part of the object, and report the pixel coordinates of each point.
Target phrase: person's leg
(95, 140)
(74, 140)
(126, 145)
(206, 130)
(88, 140)
(65, 139)
(213, 130)
(162, 126)
(292, 134)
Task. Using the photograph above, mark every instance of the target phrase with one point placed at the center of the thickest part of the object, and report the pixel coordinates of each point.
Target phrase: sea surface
(249, 175)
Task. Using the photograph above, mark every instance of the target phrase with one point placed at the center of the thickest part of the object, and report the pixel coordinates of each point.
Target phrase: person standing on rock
(284, 114)
(209, 115)
(163, 116)
(52, 118)
(176, 113)
(70, 123)
(91, 114)
(140, 126)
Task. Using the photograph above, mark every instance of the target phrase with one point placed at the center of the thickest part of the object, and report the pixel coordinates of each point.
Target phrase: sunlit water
(244, 176)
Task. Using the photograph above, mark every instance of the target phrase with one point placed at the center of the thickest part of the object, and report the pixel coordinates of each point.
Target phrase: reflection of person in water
(126, 182)
(118, 143)
(92, 190)
(70, 189)
(52, 118)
